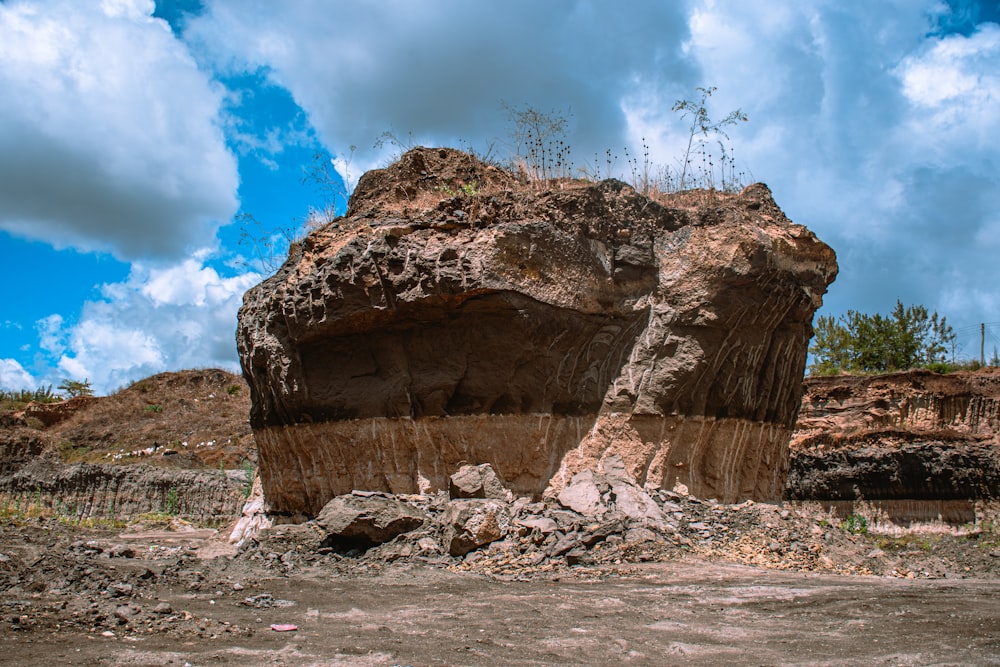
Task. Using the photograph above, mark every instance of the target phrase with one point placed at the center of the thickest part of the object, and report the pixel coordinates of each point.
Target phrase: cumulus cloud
(110, 136)
(953, 87)
(439, 70)
(180, 316)
(875, 131)
(13, 377)
(51, 336)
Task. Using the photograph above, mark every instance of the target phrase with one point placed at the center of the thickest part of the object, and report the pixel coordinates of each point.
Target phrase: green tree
(831, 347)
(909, 337)
(74, 388)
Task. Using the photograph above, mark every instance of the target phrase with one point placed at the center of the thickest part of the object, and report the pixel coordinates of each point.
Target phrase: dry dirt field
(747, 584)
(72, 597)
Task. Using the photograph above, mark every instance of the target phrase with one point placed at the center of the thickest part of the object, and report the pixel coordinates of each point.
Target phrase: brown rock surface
(54, 413)
(904, 436)
(456, 316)
(363, 521)
(471, 523)
(477, 482)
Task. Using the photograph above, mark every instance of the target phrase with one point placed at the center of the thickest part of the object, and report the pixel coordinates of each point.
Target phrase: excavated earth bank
(456, 315)
(916, 444)
(175, 443)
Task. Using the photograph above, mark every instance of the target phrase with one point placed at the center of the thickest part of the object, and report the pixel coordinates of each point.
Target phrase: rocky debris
(471, 523)
(72, 586)
(266, 601)
(546, 539)
(524, 538)
(593, 494)
(457, 316)
(914, 436)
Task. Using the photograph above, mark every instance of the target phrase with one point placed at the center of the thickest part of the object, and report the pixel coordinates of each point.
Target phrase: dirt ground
(752, 584)
(184, 597)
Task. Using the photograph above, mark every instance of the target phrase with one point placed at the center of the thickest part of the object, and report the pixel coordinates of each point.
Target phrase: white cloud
(132, 9)
(13, 377)
(162, 318)
(110, 135)
(439, 70)
(874, 132)
(953, 86)
(51, 336)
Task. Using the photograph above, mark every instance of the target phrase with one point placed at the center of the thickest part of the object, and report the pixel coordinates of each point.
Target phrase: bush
(249, 473)
(855, 524)
(170, 504)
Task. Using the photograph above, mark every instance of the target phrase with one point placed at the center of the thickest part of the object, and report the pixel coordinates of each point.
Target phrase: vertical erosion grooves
(727, 459)
(305, 465)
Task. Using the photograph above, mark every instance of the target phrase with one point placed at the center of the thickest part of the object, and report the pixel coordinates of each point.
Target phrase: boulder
(583, 495)
(477, 482)
(456, 314)
(543, 524)
(614, 490)
(361, 522)
(469, 524)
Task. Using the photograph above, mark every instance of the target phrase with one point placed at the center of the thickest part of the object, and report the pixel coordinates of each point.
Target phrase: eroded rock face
(455, 316)
(903, 436)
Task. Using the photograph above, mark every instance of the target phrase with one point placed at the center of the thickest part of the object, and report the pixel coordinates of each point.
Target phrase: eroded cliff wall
(456, 316)
(904, 436)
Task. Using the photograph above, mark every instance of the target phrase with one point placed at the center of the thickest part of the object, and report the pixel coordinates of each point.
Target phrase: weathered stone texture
(366, 520)
(540, 330)
(916, 435)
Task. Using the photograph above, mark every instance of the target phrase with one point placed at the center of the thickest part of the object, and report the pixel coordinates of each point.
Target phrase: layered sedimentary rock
(83, 490)
(457, 316)
(904, 436)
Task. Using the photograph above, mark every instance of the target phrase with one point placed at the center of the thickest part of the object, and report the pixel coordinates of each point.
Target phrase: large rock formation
(456, 315)
(914, 436)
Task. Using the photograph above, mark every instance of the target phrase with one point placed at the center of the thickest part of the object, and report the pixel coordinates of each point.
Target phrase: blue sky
(133, 134)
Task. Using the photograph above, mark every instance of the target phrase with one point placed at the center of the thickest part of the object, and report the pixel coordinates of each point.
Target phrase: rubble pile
(603, 520)
(602, 525)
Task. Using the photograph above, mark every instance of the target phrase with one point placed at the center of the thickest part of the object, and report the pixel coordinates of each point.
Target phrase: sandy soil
(96, 598)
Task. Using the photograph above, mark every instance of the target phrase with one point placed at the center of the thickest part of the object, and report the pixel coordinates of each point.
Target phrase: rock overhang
(547, 327)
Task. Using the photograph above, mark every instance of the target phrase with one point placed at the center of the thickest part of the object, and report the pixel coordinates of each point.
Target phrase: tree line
(909, 337)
